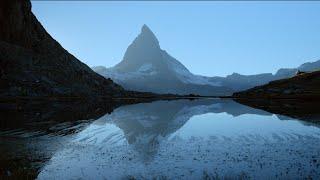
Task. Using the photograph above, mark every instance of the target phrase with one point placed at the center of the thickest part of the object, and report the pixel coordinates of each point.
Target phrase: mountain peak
(147, 36)
(145, 29)
(144, 49)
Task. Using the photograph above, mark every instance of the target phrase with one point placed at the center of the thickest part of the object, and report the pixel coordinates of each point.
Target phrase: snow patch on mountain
(142, 72)
(145, 67)
(145, 70)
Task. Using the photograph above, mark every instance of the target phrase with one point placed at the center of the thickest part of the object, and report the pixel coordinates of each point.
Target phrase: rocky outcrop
(34, 64)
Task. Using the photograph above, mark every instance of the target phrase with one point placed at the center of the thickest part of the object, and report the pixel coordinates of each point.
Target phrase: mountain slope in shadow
(34, 64)
(303, 86)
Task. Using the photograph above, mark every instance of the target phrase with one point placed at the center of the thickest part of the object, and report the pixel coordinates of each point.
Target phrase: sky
(209, 38)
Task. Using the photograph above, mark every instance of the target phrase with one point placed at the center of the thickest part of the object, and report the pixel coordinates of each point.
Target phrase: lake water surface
(182, 139)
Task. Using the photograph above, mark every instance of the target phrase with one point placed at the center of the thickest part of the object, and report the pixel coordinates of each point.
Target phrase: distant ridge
(301, 86)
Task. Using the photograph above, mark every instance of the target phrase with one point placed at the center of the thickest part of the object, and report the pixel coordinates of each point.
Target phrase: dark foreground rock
(34, 64)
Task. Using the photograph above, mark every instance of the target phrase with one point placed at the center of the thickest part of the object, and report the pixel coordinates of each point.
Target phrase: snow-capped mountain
(146, 67)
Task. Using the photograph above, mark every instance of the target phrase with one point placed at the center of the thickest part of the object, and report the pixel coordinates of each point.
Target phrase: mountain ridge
(147, 67)
(144, 63)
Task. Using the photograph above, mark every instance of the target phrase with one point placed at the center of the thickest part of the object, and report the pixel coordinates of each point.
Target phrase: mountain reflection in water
(182, 139)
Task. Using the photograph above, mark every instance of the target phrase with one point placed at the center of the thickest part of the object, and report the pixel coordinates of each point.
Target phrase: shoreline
(160, 97)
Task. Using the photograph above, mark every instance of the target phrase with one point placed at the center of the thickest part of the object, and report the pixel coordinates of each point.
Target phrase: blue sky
(209, 38)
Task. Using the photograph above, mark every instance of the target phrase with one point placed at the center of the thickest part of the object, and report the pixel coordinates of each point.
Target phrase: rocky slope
(146, 67)
(34, 64)
(305, 85)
